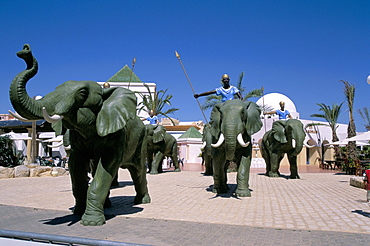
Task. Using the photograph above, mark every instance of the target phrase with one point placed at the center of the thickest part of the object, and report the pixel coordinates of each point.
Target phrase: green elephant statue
(232, 125)
(207, 150)
(103, 128)
(284, 137)
(160, 144)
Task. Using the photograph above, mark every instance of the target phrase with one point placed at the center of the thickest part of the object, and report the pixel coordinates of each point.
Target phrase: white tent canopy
(361, 137)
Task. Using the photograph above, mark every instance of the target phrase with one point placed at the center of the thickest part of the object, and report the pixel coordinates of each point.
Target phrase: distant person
(282, 112)
(227, 91)
(367, 184)
(153, 119)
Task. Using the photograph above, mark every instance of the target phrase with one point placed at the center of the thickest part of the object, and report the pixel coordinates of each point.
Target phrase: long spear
(263, 107)
(132, 71)
(191, 86)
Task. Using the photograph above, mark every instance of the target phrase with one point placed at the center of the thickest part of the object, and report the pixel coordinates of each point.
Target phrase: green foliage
(8, 154)
(155, 102)
(365, 116)
(330, 114)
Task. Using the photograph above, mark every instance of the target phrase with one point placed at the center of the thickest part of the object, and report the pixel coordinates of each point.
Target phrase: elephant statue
(232, 125)
(284, 137)
(207, 150)
(103, 129)
(160, 144)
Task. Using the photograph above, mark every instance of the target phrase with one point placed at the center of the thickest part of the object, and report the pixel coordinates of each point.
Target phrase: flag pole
(191, 86)
(132, 71)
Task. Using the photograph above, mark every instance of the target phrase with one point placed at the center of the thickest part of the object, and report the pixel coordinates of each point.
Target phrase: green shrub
(8, 154)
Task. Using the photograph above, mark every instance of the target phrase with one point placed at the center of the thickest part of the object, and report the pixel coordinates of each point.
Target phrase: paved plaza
(321, 208)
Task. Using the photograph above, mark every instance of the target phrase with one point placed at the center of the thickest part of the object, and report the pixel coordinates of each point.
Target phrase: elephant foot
(79, 209)
(243, 192)
(177, 170)
(142, 199)
(273, 174)
(153, 172)
(220, 190)
(208, 174)
(93, 219)
(294, 176)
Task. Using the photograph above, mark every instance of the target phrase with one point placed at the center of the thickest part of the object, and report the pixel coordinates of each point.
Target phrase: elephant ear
(278, 130)
(159, 133)
(253, 122)
(116, 111)
(215, 120)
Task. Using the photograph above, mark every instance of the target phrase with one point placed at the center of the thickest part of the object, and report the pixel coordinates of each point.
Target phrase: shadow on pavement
(366, 214)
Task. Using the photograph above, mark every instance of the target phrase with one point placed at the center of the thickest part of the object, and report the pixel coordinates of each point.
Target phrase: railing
(57, 239)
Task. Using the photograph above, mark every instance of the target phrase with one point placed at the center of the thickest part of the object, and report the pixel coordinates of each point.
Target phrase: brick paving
(321, 208)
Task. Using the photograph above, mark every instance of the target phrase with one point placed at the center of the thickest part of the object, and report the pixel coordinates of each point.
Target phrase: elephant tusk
(241, 141)
(56, 146)
(219, 142)
(203, 145)
(51, 119)
(67, 147)
(293, 143)
(18, 117)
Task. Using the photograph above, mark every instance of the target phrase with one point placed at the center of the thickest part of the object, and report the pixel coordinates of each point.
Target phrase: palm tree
(212, 100)
(330, 114)
(365, 116)
(349, 92)
(155, 102)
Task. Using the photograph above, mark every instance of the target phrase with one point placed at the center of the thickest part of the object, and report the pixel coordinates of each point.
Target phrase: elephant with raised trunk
(160, 144)
(232, 125)
(103, 128)
(284, 137)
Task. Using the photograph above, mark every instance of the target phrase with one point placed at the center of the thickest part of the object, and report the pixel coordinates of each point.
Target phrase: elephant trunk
(230, 142)
(24, 105)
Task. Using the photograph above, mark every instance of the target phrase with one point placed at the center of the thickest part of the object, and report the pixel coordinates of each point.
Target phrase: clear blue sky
(298, 48)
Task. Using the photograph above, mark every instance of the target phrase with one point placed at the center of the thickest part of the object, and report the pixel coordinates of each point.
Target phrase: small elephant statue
(160, 144)
(103, 128)
(284, 137)
(207, 150)
(232, 125)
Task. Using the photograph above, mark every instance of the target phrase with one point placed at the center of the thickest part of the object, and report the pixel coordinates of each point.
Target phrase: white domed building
(316, 136)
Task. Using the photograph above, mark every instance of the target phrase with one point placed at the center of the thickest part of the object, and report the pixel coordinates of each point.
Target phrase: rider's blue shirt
(227, 94)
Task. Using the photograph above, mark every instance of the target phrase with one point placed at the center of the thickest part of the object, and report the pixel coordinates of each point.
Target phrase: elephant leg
(242, 189)
(293, 167)
(274, 164)
(156, 162)
(78, 170)
(219, 173)
(138, 176)
(175, 159)
(208, 165)
(150, 161)
(96, 196)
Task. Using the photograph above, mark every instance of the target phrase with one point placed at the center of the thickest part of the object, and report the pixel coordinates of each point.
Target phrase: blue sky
(298, 48)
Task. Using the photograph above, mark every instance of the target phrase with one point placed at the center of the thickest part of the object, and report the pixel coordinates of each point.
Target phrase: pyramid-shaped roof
(191, 133)
(123, 75)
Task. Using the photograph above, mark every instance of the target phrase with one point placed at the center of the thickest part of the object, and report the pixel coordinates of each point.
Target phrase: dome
(272, 100)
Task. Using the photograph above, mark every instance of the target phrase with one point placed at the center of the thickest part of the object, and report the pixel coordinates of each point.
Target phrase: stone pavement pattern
(318, 209)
